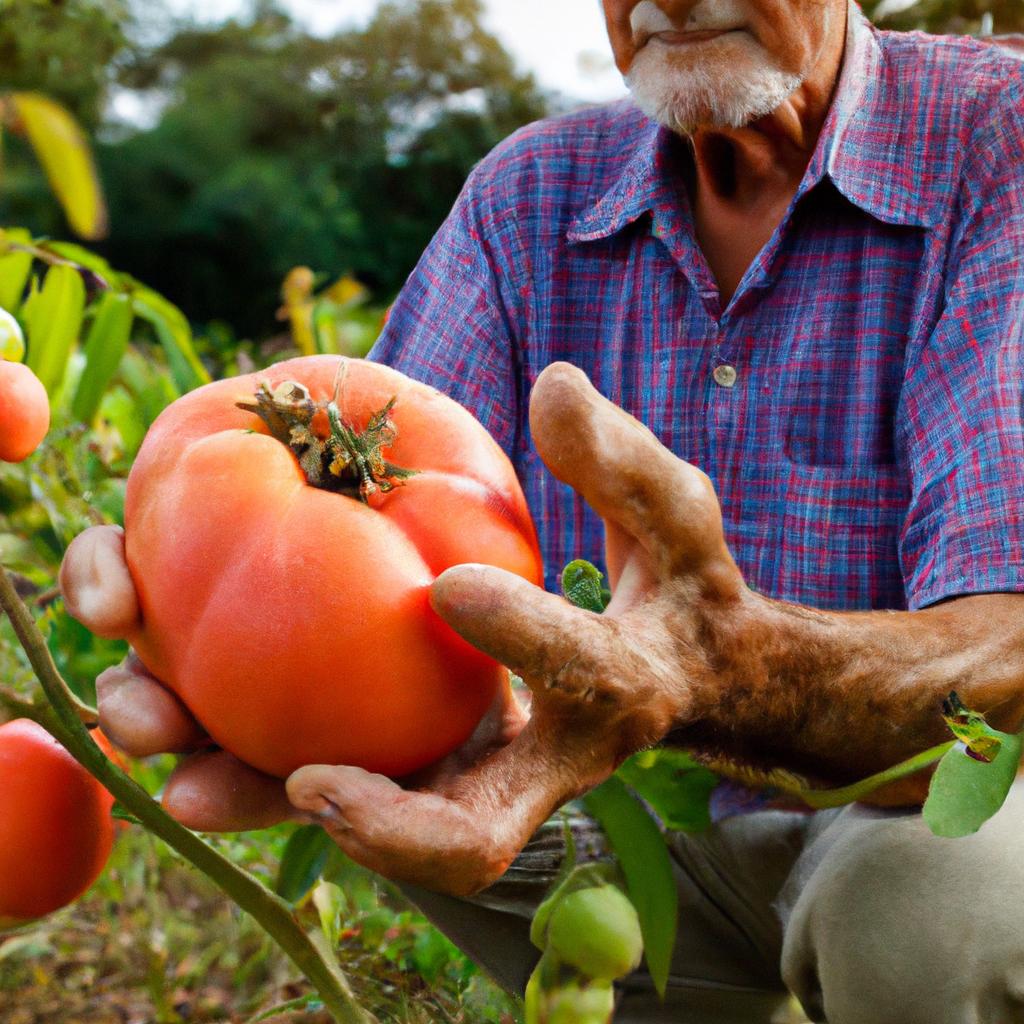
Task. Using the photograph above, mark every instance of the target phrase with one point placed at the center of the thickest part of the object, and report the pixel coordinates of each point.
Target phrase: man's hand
(603, 686)
(683, 646)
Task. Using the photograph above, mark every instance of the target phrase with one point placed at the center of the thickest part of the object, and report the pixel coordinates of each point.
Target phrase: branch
(62, 718)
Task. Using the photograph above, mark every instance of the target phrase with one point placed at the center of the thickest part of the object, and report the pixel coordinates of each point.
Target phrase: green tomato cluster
(589, 933)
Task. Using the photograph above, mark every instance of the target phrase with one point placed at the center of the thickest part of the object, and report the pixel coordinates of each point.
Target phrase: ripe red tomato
(294, 621)
(24, 412)
(56, 831)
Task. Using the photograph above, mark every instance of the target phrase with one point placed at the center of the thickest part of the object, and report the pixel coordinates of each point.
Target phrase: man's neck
(741, 166)
(743, 180)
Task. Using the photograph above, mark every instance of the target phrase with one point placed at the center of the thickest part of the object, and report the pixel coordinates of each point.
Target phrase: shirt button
(725, 375)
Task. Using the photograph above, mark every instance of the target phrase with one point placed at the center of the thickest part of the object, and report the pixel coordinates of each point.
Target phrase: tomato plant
(283, 530)
(24, 412)
(56, 831)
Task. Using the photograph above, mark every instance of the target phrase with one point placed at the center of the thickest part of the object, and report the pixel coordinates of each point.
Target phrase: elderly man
(799, 264)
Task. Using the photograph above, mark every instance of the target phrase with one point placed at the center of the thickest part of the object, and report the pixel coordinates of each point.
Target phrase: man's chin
(685, 100)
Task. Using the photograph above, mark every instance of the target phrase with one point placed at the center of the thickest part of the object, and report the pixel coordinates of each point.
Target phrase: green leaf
(53, 323)
(121, 411)
(149, 384)
(645, 861)
(581, 585)
(966, 792)
(676, 787)
(175, 335)
(14, 268)
(329, 901)
(121, 813)
(104, 346)
(84, 258)
(302, 862)
(63, 150)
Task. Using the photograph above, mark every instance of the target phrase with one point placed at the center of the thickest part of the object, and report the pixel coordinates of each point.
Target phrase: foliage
(65, 50)
(959, 16)
(277, 148)
(61, 147)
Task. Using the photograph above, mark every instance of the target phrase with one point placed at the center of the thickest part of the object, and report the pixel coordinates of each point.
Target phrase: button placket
(722, 397)
(723, 366)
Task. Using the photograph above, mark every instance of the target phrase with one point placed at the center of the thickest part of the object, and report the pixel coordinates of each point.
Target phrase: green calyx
(333, 455)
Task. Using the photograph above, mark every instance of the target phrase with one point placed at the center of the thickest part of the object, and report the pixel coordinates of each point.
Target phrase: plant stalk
(61, 716)
(819, 799)
(14, 704)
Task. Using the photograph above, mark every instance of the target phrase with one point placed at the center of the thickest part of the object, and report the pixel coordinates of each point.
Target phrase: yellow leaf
(297, 290)
(346, 291)
(62, 149)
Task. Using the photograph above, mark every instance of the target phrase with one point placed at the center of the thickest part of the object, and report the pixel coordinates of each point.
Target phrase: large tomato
(55, 825)
(294, 621)
(24, 411)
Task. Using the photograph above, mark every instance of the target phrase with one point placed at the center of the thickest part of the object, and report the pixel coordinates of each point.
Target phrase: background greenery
(272, 148)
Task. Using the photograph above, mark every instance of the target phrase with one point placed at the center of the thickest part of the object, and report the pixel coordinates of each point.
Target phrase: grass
(154, 942)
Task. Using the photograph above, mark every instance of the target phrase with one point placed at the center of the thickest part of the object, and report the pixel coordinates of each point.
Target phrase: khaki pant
(863, 914)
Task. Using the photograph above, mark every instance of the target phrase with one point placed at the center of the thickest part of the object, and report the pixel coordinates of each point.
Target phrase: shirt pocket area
(838, 535)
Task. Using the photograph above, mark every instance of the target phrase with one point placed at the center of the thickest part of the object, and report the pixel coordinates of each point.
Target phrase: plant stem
(38, 653)
(61, 717)
(15, 705)
(819, 799)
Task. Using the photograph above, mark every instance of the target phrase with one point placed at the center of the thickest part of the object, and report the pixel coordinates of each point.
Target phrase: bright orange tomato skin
(294, 622)
(24, 412)
(56, 831)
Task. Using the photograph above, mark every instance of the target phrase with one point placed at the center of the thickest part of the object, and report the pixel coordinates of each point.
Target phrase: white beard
(732, 82)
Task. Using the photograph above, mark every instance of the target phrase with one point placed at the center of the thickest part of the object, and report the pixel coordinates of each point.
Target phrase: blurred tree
(961, 16)
(64, 48)
(277, 148)
(69, 50)
(270, 147)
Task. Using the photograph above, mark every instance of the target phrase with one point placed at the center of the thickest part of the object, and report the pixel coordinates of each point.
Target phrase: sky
(562, 41)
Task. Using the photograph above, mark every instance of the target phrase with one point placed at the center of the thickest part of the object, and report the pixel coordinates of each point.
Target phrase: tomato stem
(61, 716)
(14, 705)
(333, 454)
(38, 652)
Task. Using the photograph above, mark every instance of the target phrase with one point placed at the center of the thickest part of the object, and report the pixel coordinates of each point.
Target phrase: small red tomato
(56, 830)
(24, 412)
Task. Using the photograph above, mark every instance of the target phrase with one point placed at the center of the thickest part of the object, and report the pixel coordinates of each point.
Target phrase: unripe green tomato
(597, 931)
(592, 1003)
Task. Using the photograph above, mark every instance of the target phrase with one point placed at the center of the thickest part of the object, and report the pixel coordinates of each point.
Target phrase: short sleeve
(961, 417)
(449, 327)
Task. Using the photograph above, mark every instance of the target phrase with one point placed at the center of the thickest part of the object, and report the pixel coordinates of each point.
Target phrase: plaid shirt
(859, 403)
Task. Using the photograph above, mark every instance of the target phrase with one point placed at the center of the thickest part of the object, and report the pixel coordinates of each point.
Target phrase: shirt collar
(865, 149)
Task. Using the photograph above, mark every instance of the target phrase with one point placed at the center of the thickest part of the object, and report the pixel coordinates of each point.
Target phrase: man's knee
(893, 924)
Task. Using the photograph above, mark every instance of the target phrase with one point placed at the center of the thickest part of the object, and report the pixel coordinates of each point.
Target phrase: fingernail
(325, 811)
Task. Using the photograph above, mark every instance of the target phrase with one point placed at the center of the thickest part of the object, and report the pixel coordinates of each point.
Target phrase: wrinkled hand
(603, 686)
